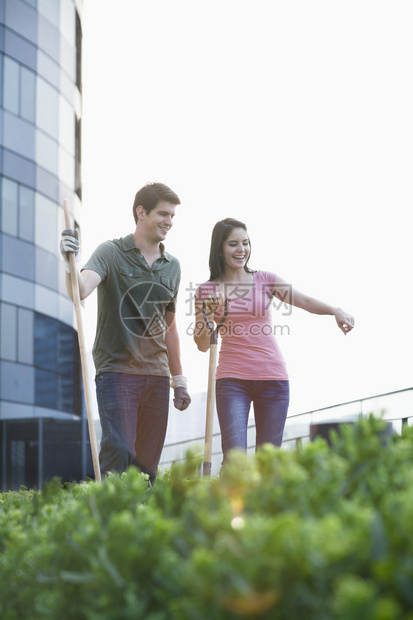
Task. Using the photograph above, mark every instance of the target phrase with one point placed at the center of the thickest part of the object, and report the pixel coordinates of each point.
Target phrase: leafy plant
(322, 532)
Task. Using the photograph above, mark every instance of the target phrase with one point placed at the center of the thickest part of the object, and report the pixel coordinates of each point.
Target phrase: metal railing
(395, 407)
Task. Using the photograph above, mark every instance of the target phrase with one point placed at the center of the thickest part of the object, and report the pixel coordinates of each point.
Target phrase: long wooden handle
(209, 425)
(82, 348)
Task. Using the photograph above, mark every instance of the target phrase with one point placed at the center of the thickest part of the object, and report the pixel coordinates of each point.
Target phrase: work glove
(69, 243)
(182, 399)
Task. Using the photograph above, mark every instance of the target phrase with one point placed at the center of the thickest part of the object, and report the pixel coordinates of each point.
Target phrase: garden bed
(320, 533)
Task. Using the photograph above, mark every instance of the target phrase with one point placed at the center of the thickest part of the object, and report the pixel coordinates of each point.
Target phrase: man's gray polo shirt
(132, 301)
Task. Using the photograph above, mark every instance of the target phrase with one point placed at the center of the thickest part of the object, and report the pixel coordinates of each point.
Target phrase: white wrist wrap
(179, 381)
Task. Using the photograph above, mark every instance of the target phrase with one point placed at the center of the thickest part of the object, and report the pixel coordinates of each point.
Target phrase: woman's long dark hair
(220, 234)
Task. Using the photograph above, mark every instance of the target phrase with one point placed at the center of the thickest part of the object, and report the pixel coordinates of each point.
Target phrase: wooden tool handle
(82, 349)
(209, 425)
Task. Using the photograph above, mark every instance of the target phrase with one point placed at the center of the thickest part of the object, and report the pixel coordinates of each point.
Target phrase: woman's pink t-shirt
(249, 349)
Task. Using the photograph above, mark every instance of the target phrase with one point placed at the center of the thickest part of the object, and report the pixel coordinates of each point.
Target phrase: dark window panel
(26, 213)
(78, 53)
(8, 332)
(19, 136)
(18, 168)
(47, 266)
(20, 49)
(18, 257)
(17, 382)
(57, 361)
(25, 336)
(21, 18)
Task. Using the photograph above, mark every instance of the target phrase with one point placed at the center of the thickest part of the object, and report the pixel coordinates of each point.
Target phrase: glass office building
(40, 133)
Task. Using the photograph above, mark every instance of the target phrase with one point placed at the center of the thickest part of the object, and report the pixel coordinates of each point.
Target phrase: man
(136, 347)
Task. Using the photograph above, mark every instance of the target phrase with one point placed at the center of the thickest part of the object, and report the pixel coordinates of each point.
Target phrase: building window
(57, 366)
(17, 463)
(78, 157)
(11, 86)
(17, 213)
(47, 111)
(78, 53)
(45, 224)
(27, 94)
(19, 86)
(9, 203)
(26, 213)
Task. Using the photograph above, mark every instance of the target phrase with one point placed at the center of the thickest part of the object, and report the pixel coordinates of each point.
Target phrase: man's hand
(69, 243)
(182, 399)
(344, 320)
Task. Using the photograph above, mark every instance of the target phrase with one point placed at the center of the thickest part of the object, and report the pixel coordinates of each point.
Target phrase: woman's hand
(202, 331)
(344, 320)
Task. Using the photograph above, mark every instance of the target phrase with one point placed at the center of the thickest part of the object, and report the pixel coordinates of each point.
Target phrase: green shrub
(321, 533)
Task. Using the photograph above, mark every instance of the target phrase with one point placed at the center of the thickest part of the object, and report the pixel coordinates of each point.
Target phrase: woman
(251, 367)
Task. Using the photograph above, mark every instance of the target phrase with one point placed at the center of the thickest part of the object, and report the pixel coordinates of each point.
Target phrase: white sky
(295, 117)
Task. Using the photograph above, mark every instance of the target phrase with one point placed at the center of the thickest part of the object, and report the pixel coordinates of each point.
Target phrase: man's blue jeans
(234, 397)
(133, 411)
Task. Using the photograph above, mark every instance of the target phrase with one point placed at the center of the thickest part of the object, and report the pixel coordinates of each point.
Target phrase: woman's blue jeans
(234, 398)
(133, 411)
